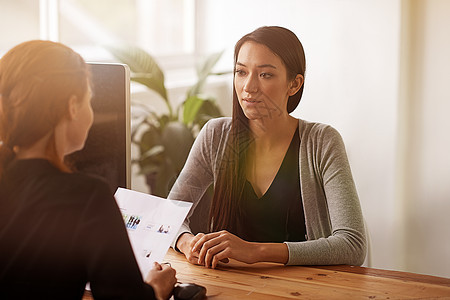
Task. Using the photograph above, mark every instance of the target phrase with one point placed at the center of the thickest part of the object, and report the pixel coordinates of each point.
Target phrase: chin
(254, 115)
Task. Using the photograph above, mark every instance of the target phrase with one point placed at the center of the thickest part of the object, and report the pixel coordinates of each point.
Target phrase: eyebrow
(260, 66)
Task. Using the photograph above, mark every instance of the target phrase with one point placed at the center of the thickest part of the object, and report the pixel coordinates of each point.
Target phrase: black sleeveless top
(278, 215)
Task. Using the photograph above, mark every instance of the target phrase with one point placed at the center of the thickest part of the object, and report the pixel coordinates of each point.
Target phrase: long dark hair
(37, 79)
(225, 210)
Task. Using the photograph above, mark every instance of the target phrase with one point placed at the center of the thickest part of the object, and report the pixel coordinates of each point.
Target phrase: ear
(73, 107)
(295, 84)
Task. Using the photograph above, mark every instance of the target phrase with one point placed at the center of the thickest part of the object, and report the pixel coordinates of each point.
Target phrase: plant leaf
(208, 110)
(152, 84)
(153, 151)
(203, 71)
(165, 178)
(149, 139)
(152, 161)
(177, 140)
(191, 107)
(143, 66)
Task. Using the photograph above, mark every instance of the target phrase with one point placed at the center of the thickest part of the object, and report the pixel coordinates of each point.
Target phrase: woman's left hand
(220, 246)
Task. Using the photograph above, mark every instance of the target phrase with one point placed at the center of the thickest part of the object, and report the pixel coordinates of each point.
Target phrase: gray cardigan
(334, 221)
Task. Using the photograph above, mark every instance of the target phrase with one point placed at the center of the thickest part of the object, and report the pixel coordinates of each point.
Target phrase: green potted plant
(164, 139)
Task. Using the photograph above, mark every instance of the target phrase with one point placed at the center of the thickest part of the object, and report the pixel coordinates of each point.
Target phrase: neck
(37, 150)
(268, 133)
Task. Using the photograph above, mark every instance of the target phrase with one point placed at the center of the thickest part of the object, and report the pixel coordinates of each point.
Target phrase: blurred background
(377, 70)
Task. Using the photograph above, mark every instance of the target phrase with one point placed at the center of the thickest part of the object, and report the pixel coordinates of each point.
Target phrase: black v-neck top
(278, 215)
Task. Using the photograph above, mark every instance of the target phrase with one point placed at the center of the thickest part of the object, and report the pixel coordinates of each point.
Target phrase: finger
(193, 260)
(199, 242)
(169, 269)
(165, 265)
(195, 239)
(214, 239)
(195, 254)
(157, 266)
(212, 252)
(205, 248)
(203, 239)
(222, 256)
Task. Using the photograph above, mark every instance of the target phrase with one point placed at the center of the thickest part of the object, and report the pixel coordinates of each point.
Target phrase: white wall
(353, 85)
(377, 70)
(425, 147)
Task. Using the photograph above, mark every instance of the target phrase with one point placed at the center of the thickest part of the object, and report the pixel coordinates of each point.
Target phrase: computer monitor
(107, 149)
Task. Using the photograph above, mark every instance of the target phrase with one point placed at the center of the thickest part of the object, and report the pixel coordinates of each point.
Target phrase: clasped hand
(209, 249)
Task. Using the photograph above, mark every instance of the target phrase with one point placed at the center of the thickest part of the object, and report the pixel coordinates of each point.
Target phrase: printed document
(152, 223)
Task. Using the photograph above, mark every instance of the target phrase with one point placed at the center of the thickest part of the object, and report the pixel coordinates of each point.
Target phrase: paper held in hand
(152, 224)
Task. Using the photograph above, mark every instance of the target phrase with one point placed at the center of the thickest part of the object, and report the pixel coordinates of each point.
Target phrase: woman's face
(261, 82)
(80, 124)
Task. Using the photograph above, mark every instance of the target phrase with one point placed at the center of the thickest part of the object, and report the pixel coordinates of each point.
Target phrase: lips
(250, 100)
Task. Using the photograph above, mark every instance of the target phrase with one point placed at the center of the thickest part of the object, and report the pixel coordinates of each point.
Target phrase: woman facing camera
(58, 229)
(283, 188)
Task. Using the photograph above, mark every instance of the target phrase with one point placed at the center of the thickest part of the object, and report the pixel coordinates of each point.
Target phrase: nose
(251, 84)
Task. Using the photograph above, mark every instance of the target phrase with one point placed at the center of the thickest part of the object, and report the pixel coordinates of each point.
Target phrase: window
(165, 28)
(19, 22)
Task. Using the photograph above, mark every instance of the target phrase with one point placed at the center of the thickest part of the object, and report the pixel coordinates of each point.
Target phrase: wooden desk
(236, 280)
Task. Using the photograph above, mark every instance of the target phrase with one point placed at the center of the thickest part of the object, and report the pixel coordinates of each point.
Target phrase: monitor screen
(107, 149)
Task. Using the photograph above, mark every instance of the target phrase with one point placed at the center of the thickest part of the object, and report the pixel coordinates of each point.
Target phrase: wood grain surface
(236, 280)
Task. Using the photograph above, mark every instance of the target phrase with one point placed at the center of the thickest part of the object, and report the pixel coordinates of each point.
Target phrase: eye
(239, 72)
(266, 75)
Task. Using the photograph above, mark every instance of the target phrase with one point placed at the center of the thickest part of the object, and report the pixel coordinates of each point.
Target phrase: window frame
(49, 22)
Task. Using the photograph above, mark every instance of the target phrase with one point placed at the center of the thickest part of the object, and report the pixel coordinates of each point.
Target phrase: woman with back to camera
(58, 229)
(283, 189)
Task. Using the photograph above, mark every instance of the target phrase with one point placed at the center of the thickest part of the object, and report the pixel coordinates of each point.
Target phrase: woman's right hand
(162, 279)
(185, 244)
